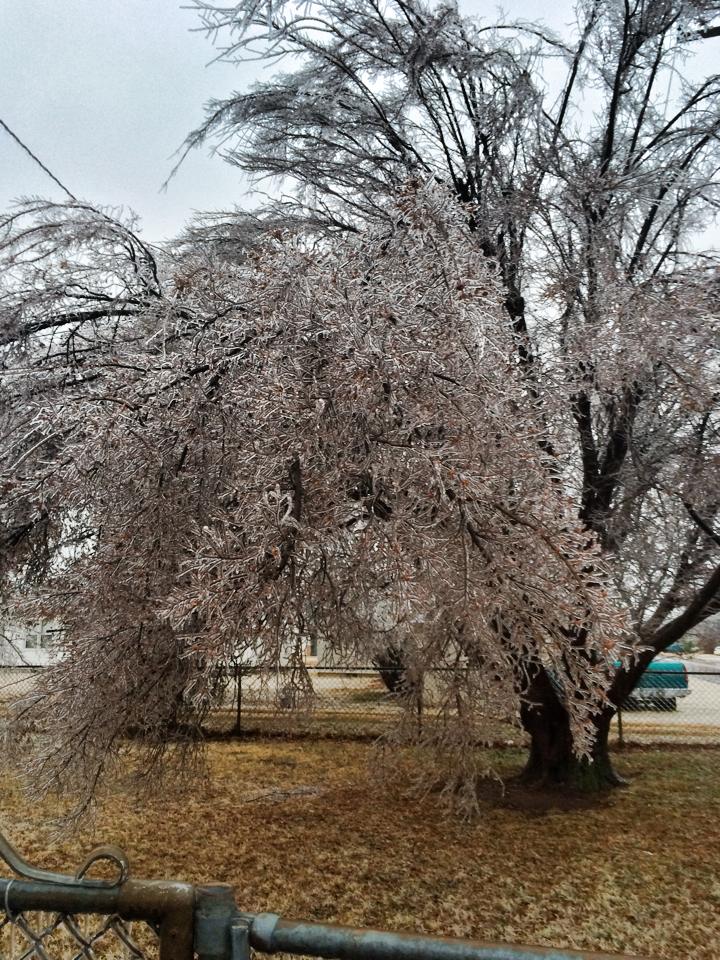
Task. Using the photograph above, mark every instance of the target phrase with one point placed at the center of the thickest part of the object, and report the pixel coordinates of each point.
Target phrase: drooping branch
(702, 524)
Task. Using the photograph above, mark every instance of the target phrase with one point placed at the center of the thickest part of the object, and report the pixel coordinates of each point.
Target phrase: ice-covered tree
(588, 165)
(202, 459)
(577, 205)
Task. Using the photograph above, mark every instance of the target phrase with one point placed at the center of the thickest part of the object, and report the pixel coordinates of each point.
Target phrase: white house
(26, 646)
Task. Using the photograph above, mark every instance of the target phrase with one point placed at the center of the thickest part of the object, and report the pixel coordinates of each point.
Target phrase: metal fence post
(239, 698)
(215, 911)
(240, 939)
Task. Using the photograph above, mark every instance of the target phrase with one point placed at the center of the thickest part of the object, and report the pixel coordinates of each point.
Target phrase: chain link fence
(668, 712)
(336, 702)
(355, 703)
(67, 918)
(17, 684)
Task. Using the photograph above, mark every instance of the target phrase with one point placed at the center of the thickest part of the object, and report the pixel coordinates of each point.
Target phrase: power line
(37, 160)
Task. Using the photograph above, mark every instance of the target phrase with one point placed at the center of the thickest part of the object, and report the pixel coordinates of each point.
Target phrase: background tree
(585, 197)
(203, 460)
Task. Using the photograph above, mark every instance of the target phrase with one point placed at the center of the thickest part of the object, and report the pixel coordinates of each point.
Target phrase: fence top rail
(151, 900)
(269, 933)
(250, 669)
(247, 668)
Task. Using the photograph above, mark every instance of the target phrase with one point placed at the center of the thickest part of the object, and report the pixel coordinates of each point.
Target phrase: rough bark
(552, 761)
(391, 665)
(544, 717)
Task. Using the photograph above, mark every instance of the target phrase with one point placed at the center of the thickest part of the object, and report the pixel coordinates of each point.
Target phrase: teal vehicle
(659, 687)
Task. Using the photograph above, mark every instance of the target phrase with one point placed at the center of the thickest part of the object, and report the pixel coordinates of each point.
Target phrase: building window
(37, 638)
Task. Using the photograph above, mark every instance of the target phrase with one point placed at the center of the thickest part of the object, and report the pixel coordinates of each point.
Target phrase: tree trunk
(390, 664)
(552, 762)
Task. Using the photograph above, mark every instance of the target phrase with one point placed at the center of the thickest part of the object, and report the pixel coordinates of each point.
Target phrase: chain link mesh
(354, 702)
(62, 936)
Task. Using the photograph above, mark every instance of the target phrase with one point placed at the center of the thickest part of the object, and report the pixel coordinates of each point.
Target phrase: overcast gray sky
(105, 91)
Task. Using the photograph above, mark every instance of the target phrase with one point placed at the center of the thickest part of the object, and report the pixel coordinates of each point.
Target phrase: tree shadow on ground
(513, 794)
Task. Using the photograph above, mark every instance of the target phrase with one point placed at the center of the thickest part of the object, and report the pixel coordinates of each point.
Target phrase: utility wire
(37, 160)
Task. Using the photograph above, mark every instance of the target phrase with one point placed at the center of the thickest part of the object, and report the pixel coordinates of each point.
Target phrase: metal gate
(49, 916)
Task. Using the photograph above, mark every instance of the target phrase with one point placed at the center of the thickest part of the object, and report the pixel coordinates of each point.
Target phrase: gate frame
(205, 922)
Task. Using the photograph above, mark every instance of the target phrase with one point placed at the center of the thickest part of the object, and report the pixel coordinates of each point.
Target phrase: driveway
(705, 664)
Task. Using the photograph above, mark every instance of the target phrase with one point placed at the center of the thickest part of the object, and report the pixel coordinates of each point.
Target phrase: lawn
(302, 828)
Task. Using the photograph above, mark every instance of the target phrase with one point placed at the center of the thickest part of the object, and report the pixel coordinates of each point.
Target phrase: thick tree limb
(699, 609)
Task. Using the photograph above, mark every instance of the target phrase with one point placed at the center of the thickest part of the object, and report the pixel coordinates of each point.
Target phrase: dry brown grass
(301, 828)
